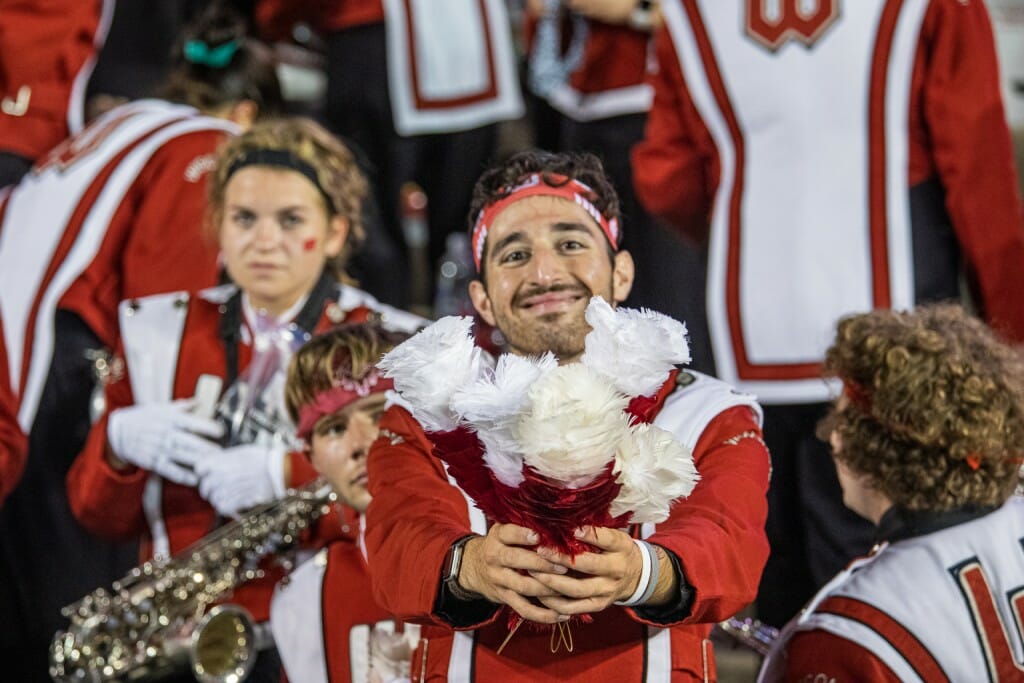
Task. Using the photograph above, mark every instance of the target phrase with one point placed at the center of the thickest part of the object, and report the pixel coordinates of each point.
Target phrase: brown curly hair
(495, 182)
(344, 352)
(935, 411)
(335, 165)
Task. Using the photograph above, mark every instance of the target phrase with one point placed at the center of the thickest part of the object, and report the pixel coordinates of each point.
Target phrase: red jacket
(114, 213)
(47, 51)
(931, 116)
(717, 533)
(110, 502)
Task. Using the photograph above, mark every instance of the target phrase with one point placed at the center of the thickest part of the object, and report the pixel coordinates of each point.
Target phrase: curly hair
(335, 165)
(348, 352)
(495, 183)
(935, 416)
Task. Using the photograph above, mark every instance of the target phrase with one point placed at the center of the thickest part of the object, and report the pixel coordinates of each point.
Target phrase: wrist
(667, 588)
(648, 579)
(454, 578)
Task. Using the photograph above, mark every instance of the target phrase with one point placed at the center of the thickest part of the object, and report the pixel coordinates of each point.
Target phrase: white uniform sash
(451, 65)
(811, 218)
(37, 217)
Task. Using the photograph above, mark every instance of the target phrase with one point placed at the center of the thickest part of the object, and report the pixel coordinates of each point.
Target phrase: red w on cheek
(309, 244)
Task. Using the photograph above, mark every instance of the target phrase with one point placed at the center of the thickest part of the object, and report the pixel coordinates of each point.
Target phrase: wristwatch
(642, 16)
(451, 566)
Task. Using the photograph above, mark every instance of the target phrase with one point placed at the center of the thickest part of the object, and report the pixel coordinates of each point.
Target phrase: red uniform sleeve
(106, 501)
(415, 515)
(13, 444)
(675, 166)
(718, 532)
(973, 154)
(155, 242)
(821, 656)
(44, 48)
(168, 249)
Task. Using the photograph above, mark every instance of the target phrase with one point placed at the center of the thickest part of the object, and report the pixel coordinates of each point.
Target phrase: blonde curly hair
(338, 175)
(934, 417)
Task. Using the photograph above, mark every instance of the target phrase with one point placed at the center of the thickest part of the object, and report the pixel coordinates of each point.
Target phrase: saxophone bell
(222, 648)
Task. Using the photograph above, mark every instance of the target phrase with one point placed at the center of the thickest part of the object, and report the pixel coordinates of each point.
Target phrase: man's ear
(481, 302)
(623, 272)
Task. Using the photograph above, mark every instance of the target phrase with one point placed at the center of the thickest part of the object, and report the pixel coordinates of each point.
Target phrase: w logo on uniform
(774, 22)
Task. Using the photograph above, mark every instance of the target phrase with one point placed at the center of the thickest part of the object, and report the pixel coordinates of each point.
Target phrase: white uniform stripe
(692, 65)
(897, 151)
(632, 99)
(659, 655)
(85, 249)
(460, 662)
(451, 63)
(76, 102)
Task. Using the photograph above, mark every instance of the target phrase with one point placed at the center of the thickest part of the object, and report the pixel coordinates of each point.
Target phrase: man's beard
(561, 333)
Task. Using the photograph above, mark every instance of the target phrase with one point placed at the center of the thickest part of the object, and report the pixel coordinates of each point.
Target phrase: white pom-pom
(633, 349)
(494, 402)
(431, 366)
(571, 428)
(654, 470)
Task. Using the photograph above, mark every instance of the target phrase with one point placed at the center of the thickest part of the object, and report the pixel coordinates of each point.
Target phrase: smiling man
(546, 237)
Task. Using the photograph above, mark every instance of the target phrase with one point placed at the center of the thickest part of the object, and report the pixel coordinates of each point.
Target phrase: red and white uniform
(717, 533)
(945, 606)
(169, 341)
(47, 54)
(113, 213)
(322, 617)
(802, 138)
(612, 76)
(449, 69)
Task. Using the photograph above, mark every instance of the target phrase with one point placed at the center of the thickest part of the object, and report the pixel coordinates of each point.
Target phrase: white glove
(163, 438)
(240, 477)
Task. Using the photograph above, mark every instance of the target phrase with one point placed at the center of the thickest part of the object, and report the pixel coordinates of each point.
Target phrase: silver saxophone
(158, 619)
(750, 632)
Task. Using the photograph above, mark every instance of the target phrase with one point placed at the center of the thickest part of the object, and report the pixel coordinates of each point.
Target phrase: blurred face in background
(340, 443)
(276, 235)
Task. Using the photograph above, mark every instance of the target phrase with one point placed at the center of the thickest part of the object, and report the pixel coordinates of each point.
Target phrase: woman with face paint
(285, 202)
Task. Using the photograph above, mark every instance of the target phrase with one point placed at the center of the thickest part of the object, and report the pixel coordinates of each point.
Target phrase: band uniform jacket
(179, 340)
(47, 54)
(717, 533)
(324, 616)
(113, 213)
(940, 607)
(447, 71)
(855, 160)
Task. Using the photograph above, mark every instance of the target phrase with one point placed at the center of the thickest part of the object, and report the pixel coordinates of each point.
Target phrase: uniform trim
(76, 101)
(894, 633)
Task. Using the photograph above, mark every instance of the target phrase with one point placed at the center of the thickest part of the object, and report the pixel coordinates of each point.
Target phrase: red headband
(337, 397)
(537, 185)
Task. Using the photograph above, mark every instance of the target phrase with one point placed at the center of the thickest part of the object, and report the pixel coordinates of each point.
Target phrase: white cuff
(275, 470)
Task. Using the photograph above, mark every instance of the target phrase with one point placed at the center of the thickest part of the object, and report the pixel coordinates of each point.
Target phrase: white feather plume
(494, 402)
(574, 421)
(654, 469)
(431, 366)
(633, 349)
